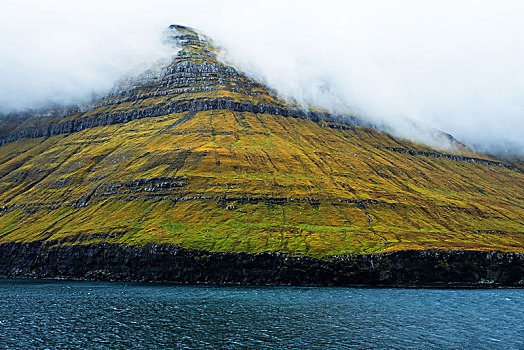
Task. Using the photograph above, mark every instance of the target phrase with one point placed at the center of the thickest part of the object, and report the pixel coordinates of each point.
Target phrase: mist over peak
(412, 68)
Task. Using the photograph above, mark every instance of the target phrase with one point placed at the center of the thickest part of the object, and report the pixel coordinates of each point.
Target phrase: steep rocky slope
(202, 157)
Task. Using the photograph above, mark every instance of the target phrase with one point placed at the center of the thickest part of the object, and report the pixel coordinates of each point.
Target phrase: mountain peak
(195, 45)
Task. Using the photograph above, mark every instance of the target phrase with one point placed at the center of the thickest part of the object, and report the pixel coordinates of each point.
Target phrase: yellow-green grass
(245, 182)
(255, 183)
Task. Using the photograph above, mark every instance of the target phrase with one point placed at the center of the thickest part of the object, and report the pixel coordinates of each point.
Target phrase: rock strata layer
(169, 263)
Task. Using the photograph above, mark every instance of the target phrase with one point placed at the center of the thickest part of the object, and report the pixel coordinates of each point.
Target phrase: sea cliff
(169, 263)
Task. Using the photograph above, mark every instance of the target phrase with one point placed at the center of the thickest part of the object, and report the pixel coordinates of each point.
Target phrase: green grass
(252, 183)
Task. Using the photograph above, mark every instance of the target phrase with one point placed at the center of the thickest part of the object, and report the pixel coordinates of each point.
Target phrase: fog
(410, 66)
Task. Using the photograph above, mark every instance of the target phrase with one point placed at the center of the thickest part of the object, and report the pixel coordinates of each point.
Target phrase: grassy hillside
(142, 170)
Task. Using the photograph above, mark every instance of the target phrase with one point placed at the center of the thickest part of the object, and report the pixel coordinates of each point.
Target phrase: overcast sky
(457, 66)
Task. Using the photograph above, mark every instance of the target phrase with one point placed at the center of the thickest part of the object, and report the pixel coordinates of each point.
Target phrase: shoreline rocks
(169, 263)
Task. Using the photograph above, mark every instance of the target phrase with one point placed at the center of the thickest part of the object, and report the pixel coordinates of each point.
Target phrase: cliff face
(167, 263)
(200, 157)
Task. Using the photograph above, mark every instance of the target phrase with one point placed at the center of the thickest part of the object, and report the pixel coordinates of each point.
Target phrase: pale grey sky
(452, 65)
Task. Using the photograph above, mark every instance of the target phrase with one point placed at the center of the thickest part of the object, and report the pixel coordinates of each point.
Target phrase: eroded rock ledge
(168, 263)
(453, 157)
(193, 105)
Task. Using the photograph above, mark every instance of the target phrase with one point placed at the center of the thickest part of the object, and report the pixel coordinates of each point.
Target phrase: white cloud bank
(452, 65)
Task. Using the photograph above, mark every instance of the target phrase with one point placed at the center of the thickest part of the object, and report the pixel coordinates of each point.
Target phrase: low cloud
(413, 66)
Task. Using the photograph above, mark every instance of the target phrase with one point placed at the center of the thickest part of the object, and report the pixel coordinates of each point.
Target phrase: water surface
(99, 315)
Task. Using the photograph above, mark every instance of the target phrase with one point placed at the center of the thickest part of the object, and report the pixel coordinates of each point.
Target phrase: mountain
(202, 174)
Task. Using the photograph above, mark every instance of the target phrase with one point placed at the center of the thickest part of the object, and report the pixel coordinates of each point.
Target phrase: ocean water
(101, 315)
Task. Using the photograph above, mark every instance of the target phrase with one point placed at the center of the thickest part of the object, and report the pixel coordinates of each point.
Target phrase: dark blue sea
(98, 315)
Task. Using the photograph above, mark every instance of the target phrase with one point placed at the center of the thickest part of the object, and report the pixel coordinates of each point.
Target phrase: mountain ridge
(204, 158)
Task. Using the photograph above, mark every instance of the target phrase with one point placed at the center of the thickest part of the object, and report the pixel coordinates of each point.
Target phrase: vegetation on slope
(241, 181)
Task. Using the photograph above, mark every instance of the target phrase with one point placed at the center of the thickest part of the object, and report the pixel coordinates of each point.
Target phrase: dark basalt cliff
(168, 263)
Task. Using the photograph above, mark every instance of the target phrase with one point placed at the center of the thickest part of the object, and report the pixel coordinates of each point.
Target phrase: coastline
(172, 264)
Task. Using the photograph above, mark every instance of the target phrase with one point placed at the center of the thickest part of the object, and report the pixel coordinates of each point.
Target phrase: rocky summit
(196, 172)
